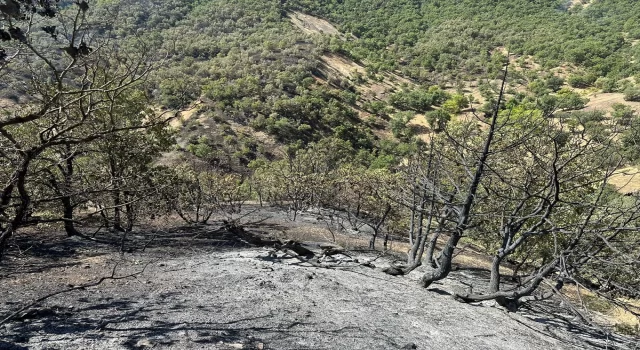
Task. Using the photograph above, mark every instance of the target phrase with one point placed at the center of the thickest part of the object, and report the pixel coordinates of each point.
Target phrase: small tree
(72, 98)
(623, 113)
(196, 192)
(438, 119)
(364, 197)
(632, 93)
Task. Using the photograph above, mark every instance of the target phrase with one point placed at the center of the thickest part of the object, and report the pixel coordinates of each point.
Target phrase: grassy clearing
(626, 180)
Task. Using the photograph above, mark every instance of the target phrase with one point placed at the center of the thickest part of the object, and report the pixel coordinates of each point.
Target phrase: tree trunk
(464, 213)
(432, 247)
(510, 298)
(67, 215)
(417, 249)
(412, 225)
(129, 210)
(372, 241)
(117, 202)
(444, 261)
(385, 242)
(115, 195)
(434, 237)
(494, 282)
(413, 258)
(17, 181)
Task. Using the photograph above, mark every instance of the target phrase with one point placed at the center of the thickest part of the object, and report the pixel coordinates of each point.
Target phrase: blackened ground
(207, 288)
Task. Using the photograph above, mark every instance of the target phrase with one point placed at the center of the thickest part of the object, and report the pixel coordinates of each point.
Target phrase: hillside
(359, 56)
(203, 288)
(286, 174)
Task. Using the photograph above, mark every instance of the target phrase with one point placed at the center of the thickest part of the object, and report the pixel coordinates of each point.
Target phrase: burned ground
(205, 287)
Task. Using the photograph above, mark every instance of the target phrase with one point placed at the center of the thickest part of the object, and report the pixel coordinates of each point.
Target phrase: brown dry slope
(626, 180)
(312, 25)
(605, 101)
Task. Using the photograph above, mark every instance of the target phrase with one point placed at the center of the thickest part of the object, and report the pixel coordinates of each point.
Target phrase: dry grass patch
(584, 3)
(605, 101)
(605, 311)
(626, 180)
(312, 25)
(342, 65)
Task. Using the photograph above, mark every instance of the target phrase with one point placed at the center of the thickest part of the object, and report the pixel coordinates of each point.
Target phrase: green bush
(632, 94)
(570, 100)
(438, 119)
(624, 113)
(581, 80)
(606, 84)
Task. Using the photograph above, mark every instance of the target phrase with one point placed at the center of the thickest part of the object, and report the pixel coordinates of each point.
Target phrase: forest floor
(206, 288)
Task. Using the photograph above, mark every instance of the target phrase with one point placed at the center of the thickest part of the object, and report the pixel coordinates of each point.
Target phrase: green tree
(632, 94)
(400, 126)
(438, 119)
(455, 104)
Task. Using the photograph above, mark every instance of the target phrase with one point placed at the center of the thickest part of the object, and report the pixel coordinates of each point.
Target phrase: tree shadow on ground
(137, 325)
(559, 324)
(31, 255)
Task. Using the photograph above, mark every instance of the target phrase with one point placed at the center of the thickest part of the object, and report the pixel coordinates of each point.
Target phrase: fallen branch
(112, 277)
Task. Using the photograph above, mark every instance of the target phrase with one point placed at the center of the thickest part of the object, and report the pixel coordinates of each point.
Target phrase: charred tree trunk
(129, 211)
(417, 248)
(116, 196)
(413, 258)
(510, 299)
(377, 226)
(66, 200)
(67, 216)
(412, 225)
(17, 181)
(464, 212)
(117, 203)
(444, 260)
(494, 282)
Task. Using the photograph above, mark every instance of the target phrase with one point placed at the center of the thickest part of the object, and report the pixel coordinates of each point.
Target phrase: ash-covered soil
(204, 288)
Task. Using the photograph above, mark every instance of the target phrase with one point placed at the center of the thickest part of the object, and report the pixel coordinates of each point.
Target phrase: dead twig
(112, 277)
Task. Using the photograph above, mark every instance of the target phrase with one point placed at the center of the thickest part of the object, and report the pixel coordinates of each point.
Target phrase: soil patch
(312, 25)
(605, 101)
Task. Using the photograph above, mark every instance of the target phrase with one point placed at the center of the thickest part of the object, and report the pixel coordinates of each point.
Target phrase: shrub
(570, 100)
(581, 80)
(625, 114)
(632, 94)
(606, 84)
(438, 119)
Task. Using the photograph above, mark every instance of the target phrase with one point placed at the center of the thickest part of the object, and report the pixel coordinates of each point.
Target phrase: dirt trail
(605, 101)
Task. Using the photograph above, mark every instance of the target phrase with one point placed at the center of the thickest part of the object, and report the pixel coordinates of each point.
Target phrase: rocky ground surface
(205, 288)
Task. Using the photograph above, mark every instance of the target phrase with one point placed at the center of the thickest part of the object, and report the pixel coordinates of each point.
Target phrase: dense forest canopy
(459, 35)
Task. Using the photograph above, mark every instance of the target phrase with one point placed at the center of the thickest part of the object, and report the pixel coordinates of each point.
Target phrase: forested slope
(456, 37)
(434, 123)
(252, 66)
